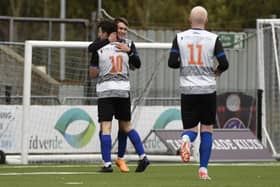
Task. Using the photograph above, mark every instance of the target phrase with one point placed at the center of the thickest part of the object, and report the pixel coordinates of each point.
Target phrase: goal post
(268, 34)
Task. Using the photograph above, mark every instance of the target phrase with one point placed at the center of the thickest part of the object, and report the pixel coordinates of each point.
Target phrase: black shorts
(198, 108)
(115, 106)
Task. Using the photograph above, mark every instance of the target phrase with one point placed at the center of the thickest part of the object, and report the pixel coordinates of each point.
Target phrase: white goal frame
(29, 45)
(261, 71)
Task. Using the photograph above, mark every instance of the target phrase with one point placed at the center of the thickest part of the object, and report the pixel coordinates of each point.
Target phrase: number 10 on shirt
(117, 63)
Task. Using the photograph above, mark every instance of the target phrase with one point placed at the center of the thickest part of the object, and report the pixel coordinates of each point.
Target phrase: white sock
(186, 138)
(141, 157)
(203, 169)
(107, 164)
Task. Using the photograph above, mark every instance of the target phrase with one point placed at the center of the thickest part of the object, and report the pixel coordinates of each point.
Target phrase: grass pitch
(157, 175)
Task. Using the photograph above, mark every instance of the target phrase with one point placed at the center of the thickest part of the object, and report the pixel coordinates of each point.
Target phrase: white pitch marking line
(74, 183)
(48, 173)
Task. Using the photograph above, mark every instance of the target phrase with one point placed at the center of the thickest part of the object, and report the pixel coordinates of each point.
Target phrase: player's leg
(124, 116)
(106, 145)
(190, 121)
(105, 115)
(137, 143)
(122, 142)
(205, 150)
(208, 117)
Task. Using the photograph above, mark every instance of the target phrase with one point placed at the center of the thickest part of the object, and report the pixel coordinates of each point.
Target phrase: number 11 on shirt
(197, 47)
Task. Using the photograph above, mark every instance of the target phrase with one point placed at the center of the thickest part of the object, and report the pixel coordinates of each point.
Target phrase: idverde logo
(76, 140)
(167, 116)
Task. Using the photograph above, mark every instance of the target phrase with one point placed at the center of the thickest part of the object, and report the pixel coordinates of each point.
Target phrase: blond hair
(198, 15)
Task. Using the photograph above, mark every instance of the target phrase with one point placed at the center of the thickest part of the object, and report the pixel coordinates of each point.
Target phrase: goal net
(268, 32)
(59, 112)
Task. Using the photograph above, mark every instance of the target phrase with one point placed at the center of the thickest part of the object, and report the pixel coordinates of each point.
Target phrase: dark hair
(122, 20)
(107, 26)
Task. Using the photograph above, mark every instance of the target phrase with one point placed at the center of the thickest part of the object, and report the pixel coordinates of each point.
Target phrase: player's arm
(97, 44)
(93, 69)
(221, 57)
(174, 55)
(134, 59)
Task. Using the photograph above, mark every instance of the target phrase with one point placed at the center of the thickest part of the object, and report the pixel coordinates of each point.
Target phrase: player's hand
(131, 67)
(122, 47)
(217, 73)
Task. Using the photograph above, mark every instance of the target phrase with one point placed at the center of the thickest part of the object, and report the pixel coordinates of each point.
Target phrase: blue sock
(106, 145)
(205, 148)
(136, 141)
(122, 139)
(191, 134)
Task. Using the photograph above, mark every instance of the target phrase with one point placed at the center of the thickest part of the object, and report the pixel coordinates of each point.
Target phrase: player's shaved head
(198, 15)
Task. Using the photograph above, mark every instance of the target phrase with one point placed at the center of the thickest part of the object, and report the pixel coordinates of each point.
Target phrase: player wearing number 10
(128, 46)
(193, 51)
(111, 65)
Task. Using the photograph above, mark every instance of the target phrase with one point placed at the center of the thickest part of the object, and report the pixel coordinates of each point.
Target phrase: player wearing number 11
(193, 51)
